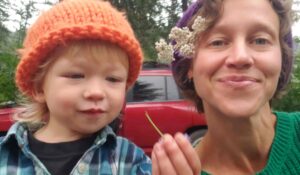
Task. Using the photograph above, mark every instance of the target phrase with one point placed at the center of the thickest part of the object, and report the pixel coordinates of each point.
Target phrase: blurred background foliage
(150, 19)
(291, 100)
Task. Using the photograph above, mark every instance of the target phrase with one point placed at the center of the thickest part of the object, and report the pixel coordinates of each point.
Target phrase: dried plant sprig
(199, 25)
(165, 51)
(152, 123)
(183, 39)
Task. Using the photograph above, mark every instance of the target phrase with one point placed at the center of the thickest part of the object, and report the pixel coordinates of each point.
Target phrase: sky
(296, 26)
(12, 26)
(296, 29)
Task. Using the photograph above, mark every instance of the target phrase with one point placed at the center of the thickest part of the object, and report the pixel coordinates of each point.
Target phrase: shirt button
(81, 168)
(21, 145)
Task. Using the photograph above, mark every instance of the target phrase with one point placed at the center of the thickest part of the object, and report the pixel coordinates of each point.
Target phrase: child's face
(238, 63)
(83, 93)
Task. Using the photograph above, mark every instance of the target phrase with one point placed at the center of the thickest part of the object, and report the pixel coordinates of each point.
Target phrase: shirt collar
(106, 136)
(19, 131)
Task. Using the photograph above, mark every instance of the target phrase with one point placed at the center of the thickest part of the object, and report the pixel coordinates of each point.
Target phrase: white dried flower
(183, 41)
(187, 50)
(199, 24)
(180, 36)
(165, 51)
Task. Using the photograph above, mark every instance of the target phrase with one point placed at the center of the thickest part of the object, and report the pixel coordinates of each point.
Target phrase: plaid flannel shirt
(109, 155)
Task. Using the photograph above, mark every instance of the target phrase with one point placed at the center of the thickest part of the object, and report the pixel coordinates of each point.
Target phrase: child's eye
(114, 79)
(74, 75)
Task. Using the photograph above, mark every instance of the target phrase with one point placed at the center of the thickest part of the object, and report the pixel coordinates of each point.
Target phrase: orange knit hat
(75, 20)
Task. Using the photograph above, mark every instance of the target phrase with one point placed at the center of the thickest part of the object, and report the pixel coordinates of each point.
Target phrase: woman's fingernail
(160, 140)
(187, 137)
(168, 139)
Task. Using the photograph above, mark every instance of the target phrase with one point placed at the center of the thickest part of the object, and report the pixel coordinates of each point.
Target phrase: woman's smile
(238, 81)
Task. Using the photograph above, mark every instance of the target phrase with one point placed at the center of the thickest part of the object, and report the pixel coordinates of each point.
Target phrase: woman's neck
(237, 146)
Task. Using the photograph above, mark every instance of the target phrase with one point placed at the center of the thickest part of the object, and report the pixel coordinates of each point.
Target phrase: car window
(153, 88)
(172, 90)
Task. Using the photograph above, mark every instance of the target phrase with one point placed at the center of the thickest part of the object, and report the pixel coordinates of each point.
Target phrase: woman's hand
(175, 156)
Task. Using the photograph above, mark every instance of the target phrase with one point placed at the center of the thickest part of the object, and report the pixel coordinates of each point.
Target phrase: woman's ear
(190, 73)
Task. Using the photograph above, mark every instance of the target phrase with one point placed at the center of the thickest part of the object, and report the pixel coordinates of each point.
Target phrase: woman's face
(238, 63)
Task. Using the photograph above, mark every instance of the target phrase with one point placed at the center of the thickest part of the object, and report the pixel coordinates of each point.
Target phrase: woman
(238, 61)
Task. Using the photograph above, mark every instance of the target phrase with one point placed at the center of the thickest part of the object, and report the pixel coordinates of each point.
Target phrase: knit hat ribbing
(75, 20)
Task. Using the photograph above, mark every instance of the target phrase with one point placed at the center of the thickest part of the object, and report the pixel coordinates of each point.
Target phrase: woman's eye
(260, 41)
(218, 43)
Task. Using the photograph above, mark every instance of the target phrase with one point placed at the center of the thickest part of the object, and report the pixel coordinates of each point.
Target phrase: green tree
(296, 11)
(4, 32)
(151, 20)
(184, 4)
(290, 101)
(144, 18)
(25, 12)
(7, 66)
(10, 41)
(4, 4)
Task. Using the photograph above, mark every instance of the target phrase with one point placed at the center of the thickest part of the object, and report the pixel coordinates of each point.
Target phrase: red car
(5, 119)
(156, 93)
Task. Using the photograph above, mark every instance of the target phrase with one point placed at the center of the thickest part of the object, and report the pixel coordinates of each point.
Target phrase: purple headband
(189, 13)
(180, 61)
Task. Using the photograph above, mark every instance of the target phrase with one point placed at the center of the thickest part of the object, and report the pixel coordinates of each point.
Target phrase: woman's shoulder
(295, 115)
(288, 120)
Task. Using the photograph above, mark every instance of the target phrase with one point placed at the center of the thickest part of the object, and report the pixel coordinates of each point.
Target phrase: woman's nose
(240, 56)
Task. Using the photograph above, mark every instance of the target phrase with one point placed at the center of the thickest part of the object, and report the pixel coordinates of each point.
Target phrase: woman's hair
(212, 11)
(35, 113)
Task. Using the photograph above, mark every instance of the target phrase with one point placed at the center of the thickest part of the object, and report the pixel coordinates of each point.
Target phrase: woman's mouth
(238, 81)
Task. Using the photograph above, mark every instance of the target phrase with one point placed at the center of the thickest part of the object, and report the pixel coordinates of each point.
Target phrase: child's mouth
(93, 111)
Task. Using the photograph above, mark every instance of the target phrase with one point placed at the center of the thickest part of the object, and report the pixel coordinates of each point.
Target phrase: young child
(78, 60)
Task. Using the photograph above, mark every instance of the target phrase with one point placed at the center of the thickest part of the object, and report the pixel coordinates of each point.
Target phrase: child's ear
(39, 96)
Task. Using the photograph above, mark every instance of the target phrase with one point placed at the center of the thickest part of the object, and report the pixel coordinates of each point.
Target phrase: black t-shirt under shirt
(60, 158)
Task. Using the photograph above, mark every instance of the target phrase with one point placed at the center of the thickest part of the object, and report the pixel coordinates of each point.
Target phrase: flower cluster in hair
(183, 39)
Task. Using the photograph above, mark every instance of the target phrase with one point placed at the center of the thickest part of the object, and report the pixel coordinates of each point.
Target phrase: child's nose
(94, 91)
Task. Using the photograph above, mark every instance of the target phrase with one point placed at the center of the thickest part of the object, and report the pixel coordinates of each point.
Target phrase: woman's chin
(240, 110)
